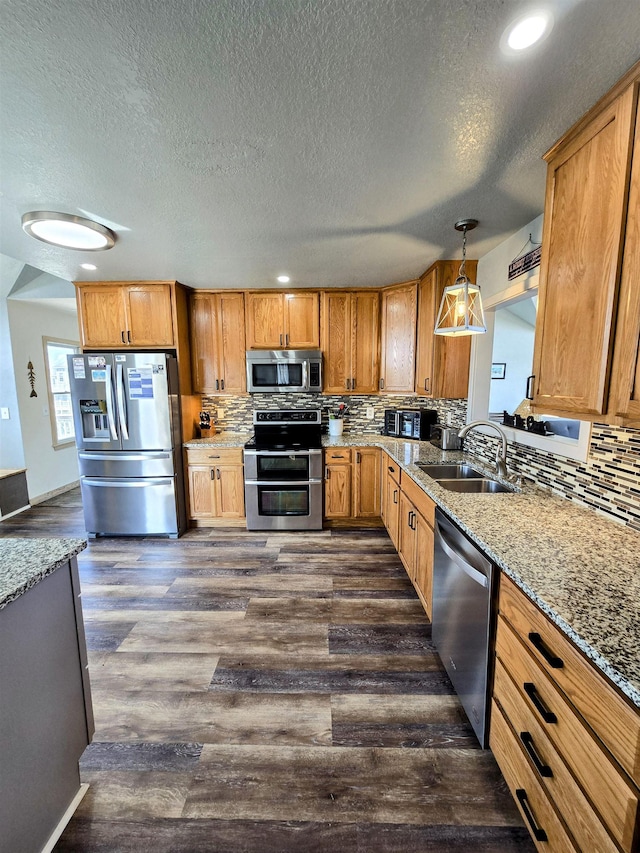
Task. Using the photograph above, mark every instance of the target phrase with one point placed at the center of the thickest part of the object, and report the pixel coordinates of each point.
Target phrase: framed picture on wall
(498, 370)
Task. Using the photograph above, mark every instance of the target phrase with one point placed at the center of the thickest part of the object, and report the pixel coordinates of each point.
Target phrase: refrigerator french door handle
(122, 412)
(109, 395)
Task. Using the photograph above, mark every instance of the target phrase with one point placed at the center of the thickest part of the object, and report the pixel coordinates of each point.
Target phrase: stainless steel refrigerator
(126, 412)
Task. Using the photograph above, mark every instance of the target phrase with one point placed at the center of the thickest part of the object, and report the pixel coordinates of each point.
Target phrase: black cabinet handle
(538, 833)
(542, 768)
(529, 389)
(381, 383)
(547, 715)
(222, 384)
(395, 496)
(217, 384)
(426, 384)
(122, 337)
(213, 473)
(538, 643)
(128, 336)
(391, 468)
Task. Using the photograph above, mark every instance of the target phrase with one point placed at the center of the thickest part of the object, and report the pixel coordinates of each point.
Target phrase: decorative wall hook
(32, 379)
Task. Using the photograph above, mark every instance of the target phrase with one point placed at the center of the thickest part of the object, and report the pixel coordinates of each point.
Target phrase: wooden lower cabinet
(563, 735)
(352, 485)
(391, 497)
(416, 539)
(216, 487)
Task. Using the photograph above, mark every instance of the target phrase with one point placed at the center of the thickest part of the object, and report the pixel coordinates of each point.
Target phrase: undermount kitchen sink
(459, 471)
(477, 486)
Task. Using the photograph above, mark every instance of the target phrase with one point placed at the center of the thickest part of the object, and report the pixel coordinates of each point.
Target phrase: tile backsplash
(608, 482)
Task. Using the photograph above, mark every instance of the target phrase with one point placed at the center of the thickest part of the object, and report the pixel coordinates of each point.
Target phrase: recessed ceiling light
(527, 30)
(68, 231)
(89, 266)
(284, 279)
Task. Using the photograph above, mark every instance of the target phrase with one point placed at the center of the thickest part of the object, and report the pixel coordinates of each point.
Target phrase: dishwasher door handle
(449, 549)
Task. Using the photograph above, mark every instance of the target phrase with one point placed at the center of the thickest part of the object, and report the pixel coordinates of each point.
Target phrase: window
(60, 411)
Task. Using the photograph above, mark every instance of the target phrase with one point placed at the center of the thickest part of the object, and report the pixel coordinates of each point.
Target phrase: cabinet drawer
(391, 468)
(422, 502)
(590, 763)
(615, 722)
(337, 454)
(549, 769)
(214, 455)
(536, 810)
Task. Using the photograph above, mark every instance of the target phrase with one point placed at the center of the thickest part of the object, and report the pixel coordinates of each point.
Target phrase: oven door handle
(287, 453)
(282, 482)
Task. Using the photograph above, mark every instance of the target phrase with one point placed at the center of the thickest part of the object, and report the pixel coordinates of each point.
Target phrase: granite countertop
(25, 562)
(221, 439)
(580, 568)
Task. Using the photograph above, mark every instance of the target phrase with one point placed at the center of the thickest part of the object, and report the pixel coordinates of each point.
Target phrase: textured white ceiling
(335, 140)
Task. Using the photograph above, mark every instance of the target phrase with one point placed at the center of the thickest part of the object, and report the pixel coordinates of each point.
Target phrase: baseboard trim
(64, 820)
(54, 493)
(15, 512)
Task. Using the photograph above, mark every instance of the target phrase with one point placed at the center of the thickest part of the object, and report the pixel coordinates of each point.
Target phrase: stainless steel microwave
(284, 370)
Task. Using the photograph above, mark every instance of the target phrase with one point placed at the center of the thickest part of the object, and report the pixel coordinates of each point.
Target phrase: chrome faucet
(501, 452)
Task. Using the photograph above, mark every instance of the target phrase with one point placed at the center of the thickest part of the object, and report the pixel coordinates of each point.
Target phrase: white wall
(47, 469)
(11, 451)
(513, 346)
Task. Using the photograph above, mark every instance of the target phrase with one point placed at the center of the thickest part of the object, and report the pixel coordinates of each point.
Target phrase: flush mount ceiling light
(527, 30)
(68, 231)
(461, 306)
(284, 279)
(89, 266)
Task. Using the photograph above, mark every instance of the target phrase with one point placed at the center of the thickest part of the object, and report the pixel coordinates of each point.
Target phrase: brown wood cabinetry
(119, 315)
(398, 359)
(352, 485)
(216, 486)
(416, 539)
(391, 478)
(589, 310)
(218, 343)
(442, 363)
(350, 337)
(277, 320)
(562, 734)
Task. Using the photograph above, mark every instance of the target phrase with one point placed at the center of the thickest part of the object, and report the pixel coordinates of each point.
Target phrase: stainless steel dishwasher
(463, 619)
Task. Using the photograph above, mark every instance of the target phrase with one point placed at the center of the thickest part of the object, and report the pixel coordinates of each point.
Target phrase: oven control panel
(282, 416)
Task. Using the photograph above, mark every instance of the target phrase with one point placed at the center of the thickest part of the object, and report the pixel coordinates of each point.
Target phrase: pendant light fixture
(461, 306)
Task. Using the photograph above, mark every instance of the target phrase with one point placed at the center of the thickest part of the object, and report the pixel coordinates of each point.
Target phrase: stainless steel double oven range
(283, 471)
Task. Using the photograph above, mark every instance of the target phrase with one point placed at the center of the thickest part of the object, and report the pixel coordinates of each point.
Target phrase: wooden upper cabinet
(350, 341)
(218, 343)
(442, 363)
(116, 315)
(585, 222)
(398, 365)
(279, 320)
(625, 382)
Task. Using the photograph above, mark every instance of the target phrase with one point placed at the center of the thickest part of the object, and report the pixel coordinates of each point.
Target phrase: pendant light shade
(461, 311)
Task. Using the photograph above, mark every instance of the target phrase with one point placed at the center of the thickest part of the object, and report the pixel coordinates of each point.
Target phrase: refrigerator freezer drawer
(125, 464)
(145, 506)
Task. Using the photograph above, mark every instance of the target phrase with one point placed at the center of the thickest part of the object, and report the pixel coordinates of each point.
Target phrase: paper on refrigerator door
(140, 383)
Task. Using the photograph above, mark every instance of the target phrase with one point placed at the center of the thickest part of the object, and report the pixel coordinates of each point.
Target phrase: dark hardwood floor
(263, 693)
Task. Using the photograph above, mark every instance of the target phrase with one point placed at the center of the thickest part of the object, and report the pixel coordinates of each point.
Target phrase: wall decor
(32, 379)
(498, 370)
(526, 260)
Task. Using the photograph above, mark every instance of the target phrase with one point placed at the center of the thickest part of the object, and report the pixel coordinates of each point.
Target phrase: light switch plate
(4, 413)
(370, 413)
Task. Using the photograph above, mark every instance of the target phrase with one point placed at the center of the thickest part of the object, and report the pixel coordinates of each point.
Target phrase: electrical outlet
(220, 414)
(370, 413)
(449, 418)
(45, 411)
(4, 413)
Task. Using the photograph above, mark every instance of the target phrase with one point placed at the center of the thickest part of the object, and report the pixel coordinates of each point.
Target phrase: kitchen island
(46, 718)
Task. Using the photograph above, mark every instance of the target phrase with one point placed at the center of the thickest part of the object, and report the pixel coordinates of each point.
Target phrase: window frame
(56, 443)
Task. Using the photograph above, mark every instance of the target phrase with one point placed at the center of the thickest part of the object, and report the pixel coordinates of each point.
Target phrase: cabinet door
(625, 375)
(204, 362)
(229, 485)
(423, 565)
(265, 320)
(150, 317)
(231, 343)
(582, 242)
(103, 321)
(365, 342)
(406, 535)
(427, 294)
(202, 502)
(336, 341)
(398, 339)
(302, 320)
(337, 491)
(366, 482)
(392, 502)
